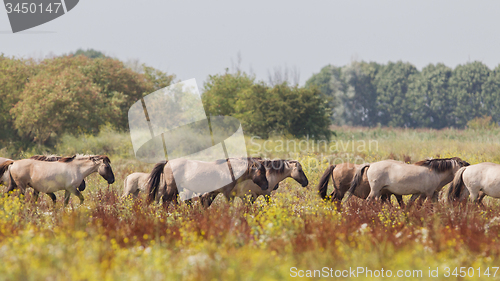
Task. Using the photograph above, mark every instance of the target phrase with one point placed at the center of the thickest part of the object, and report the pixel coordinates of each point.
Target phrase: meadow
(107, 238)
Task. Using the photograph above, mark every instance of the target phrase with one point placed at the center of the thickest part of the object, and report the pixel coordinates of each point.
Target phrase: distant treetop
(89, 53)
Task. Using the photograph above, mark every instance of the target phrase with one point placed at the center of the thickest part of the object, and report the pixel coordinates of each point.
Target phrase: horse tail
(456, 186)
(5, 166)
(358, 177)
(154, 180)
(323, 182)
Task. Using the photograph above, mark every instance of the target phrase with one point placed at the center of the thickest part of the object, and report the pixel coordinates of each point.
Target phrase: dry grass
(109, 239)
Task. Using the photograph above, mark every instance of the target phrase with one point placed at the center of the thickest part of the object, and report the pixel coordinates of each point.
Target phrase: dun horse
(64, 174)
(276, 171)
(5, 178)
(198, 172)
(135, 183)
(478, 180)
(342, 176)
(425, 177)
(51, 158)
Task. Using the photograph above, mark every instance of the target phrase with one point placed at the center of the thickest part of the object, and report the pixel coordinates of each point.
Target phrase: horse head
(105, 168)
(257, 173)
(298, 174)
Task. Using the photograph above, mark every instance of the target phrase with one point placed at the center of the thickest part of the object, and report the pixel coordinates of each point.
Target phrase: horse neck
(275, 178)
(446, 177)
(88, 167)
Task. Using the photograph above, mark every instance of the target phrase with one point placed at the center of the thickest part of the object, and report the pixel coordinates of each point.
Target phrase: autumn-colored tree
(14, 74)
(72, 94)
(54, 104)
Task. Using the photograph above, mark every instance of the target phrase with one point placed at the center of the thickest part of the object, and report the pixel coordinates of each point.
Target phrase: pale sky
(193, 39)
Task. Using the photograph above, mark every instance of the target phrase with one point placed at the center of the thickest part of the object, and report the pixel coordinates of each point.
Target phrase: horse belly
(248, 187)
(50, 182)
(202, 182)
(411, 184)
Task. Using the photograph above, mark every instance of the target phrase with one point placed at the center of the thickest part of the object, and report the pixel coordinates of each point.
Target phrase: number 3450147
(470, 272)
(25, 8)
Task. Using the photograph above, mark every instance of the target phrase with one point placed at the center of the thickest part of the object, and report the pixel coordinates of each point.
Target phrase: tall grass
(107, 238)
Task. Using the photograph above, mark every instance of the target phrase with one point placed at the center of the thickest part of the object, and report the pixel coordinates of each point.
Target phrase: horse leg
(414, 198)
(22, 189)
(80, 196)
(76, 192)
(135, 193)
(374, 192)
(10, 189)
(67, 194)
(400, 200)
(36, 193)
(385, 198)
(474, 195)
(208, 199)
(53, 197)
(480, 200)
(337, 197)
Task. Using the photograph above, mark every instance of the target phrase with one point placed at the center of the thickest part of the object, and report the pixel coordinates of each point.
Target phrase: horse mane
(441, 164)
(276, 166)
(67, 159)
(46, 158)
(252, 161)
(104, 158)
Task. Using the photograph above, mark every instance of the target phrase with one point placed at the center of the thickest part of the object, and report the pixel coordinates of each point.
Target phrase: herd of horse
(379, 180)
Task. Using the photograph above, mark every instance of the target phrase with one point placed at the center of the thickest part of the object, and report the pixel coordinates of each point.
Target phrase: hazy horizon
(197, 39)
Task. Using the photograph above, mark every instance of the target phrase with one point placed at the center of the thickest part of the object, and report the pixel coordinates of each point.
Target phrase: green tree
(429, 97)
(89, 53)
(331, 83)
(491, 94)
(360, 94)
(14, 74)
(221, 91)
(283, 109)
(392, 83)
(467, 91)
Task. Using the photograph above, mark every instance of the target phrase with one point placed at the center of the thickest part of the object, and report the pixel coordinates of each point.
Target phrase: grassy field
(110, 239)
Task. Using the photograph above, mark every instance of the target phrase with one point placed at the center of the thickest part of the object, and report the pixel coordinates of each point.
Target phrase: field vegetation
(107, 238)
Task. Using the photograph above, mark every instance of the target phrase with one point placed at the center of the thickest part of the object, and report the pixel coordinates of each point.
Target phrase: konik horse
(342, 176)
(477, 181)
(276, 171)
(197, 173)
(426, 177)
(64, 174)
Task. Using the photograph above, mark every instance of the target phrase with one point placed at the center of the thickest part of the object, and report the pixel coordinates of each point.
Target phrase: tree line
(398, 94)
(82, 91)
(41, 100)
